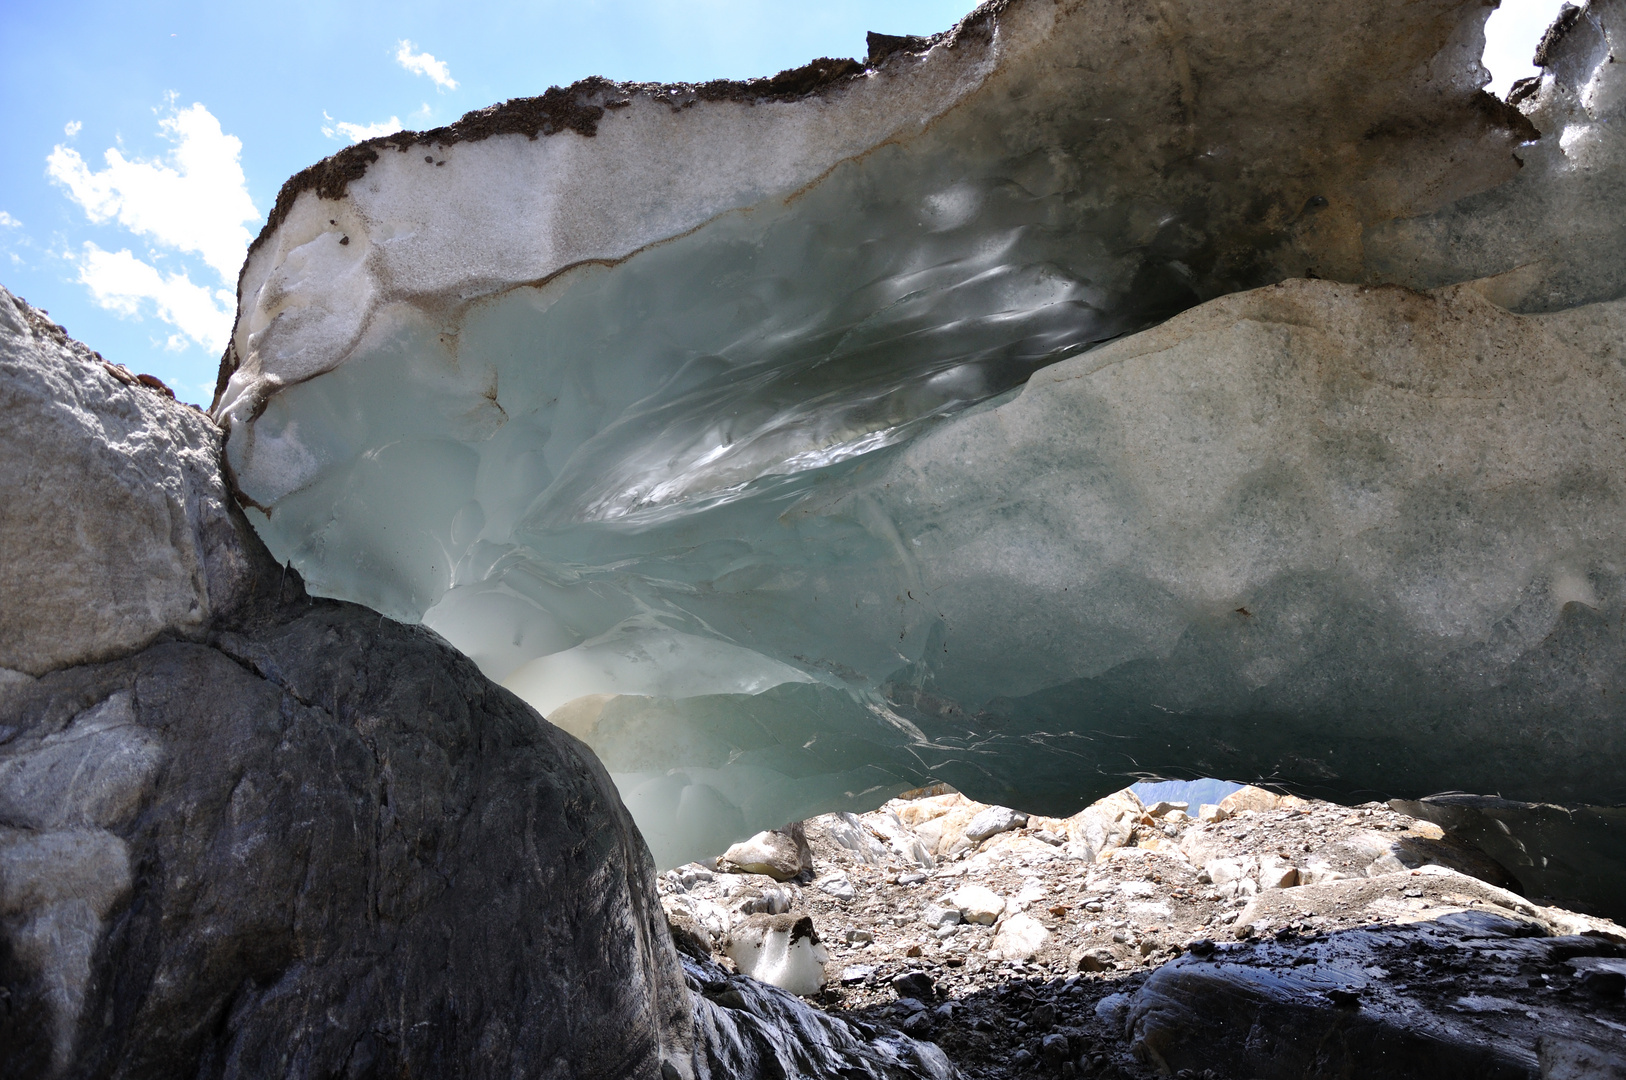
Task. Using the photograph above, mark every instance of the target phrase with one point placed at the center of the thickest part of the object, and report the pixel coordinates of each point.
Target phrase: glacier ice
(801, 441)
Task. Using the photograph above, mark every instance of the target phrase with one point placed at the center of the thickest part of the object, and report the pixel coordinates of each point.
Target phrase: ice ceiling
(707, 418)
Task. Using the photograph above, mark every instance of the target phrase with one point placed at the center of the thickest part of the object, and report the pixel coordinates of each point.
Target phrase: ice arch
(707, 417)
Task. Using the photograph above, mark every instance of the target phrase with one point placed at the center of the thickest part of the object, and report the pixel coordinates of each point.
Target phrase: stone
(917, 1024)
(1163, 808)
(1572, 1058)
(852, 834)
(773, 853)
(1249, 797)
(1105, 824)
(1277, 875)
(914, 984)
(105, 550)
(1020, 937)
(1226, 871)
(746, 1028)
(977, 904)
(1098, 958)
(1212, 814)
(690, 937)
(1387, 863)
(837, 885)
(333, 907)
(1315, 872)
(993, 821)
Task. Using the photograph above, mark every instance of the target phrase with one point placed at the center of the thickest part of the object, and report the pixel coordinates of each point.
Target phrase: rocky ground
(1265, 936)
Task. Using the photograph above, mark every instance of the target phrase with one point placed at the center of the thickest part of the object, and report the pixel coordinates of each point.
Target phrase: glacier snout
(1072, 395)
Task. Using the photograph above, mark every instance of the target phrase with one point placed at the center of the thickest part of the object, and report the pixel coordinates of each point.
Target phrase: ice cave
(1090, 391)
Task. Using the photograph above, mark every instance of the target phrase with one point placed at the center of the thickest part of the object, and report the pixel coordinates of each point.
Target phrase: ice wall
(707, 417)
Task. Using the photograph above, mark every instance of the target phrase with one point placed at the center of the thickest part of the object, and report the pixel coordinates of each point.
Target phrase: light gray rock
(837, 885)
(993, 821)
(1019, 937)
(115, 525)
(775, 853)
(93, 772)
(852, 834)
(977, 904)
(1575, 1058)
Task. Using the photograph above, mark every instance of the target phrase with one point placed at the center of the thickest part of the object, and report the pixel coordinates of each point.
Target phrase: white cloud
(8, 222)
(72, 128)
(196, 201)
(359, 132)
(122, 283)
(424, 64)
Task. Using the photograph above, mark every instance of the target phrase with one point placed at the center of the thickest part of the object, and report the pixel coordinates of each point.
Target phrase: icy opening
(794, 452)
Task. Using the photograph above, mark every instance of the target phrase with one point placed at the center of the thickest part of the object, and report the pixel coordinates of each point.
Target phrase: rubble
(1074, 946)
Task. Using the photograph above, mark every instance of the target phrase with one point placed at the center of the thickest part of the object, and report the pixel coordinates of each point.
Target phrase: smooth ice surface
(887, 462)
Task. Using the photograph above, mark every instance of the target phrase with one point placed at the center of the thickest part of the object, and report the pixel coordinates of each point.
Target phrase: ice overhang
(702, 416)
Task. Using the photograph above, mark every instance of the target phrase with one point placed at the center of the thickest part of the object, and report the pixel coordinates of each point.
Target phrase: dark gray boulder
(342, 852)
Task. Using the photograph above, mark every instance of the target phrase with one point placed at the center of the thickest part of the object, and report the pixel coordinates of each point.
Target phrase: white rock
(1163, 808)
(1033, 891)
(1317, 871)
(1019, 937)
(1212, 813)
(837, 885)
(771, 853)
(1277, 875)
(900, 838)
(977, 904)
(851, 833)
(1224, 871)
(992, 821)
(783, 950)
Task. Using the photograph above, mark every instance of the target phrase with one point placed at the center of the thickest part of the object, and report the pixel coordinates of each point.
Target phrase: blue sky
(148, 140)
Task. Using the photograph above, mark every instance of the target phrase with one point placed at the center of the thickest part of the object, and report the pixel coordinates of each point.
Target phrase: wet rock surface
(1264, 936)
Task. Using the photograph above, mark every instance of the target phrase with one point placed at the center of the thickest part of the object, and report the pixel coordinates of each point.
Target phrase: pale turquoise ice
(782, 490)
